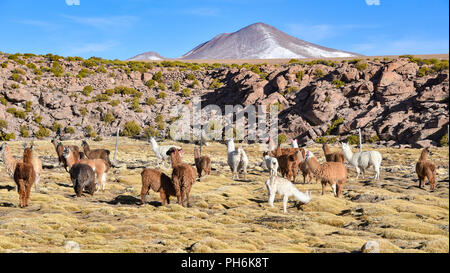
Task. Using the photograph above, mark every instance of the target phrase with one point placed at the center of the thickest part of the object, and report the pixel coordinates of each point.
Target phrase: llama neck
(423, 155)
(230, 146)
(326, 150)
(27, 156)
(196, 154)
(313, 165)
(10, 162)
(294, 144)
(348, 154)
(71, 160)
(175, 159)
(86, 148)
(304, 198)
(154, 144)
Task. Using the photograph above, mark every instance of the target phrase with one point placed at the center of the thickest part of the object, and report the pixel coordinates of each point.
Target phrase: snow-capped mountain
(147, 56)
(261, 41)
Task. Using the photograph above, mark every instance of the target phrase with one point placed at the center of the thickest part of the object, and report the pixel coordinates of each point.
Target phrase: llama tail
(302, 197)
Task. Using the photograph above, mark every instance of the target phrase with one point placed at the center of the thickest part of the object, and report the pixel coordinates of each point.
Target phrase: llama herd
(88, 169)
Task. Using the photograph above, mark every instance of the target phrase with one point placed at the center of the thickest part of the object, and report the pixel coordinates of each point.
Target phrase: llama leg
(21, 191)
(271, 196)
(187, 198)
(333, 186)
(357, 172)
(144, 191)
(323, 187)
(285, 200)
(36, 183)
(163, 197)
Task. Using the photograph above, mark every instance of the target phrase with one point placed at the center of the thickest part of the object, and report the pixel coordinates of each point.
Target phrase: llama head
(308, 155)
(66, 152)
(345, 146)
(172, 150)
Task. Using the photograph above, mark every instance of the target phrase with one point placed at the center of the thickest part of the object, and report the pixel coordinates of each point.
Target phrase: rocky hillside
(393, 101)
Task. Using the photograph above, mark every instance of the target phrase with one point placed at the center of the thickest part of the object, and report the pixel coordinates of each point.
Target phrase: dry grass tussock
(226, 215)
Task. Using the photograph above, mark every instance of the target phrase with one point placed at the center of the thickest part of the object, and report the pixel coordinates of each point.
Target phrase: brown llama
(37, 166)
(96, 153)
(24, 176)
(183, 176)
(59, 148)
(426, 169)
(99, 166)
(203, 163)
(158, 182)
(83, 178)
(333, 173)
(288, 164)
(8, 159)
(332, 157)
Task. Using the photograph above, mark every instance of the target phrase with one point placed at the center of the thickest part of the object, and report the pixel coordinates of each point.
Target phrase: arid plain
(226, 215)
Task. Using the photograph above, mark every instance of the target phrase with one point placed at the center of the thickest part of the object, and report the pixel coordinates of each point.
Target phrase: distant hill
(261, 41)
(150, 55)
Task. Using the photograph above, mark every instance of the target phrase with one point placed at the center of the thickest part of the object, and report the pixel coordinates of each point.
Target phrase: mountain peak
(150, 55)
(260, 41)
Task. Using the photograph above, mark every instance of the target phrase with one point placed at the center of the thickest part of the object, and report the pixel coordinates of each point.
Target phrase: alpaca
(306, 171)
(96, 153)
(83, 178)
(271, 164)
(59, 148)
(289, 165)
(285, 188)
(237, 159)
(161, 151)
(333, 173)
(362, 161)
(426, 169)
(37, 166)
(183, 176)
(24, 176)
(98, 165)
(158, 182)
(8, 159)
(202, 163)
(332, 157)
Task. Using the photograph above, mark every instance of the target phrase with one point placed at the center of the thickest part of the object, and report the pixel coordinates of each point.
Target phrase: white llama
(237, 159)
(363, 160)
(286, 189)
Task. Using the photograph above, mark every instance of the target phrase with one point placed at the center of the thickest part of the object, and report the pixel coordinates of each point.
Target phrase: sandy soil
(226, 215)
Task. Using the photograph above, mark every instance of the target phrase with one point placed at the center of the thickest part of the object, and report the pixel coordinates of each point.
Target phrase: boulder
(322, 104)
(18, 95)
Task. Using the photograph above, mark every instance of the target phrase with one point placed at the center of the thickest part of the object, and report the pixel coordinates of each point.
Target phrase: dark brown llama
(24, 176)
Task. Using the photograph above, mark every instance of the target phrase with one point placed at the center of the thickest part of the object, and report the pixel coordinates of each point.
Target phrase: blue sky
(115, 29)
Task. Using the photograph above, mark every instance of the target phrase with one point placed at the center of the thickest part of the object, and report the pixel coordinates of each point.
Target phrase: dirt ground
(226, 215)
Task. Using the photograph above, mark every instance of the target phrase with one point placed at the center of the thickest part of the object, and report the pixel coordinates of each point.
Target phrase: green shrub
(18, 71)
(361, 65)
(158, 77)
(161, 86)
(190, 77)
(423, 71)
(69, 130)
(150, 132)
(42, 132)
(17, 113)
(87, 90)
(162, 95)
(299, 75)
(444, 140)
(195, 83)
(319, 73)
(28, 106)
(3, 101)
(150, 84)
(186, 102)
(23, 131)
(14, 86)
(150, 101)
(338, 83)
(114, 102)
(215, 84)
(83, 112)
(282, 138)
(186, 92)
(16, 77)
(5, 65)
(56, 126)
(89, 63)
(108, 118)
(334, 125)
(135, 105)
(3, 124)
(321, 140)
(6, 136)
(353, 140)
(159, 118)
(441, 66)
(176, 86)
(131, 129)
(90, 131)
(83, 73)
(98, 138)
(101, 69)
(373, 139)
(38, 119)
(57, 69)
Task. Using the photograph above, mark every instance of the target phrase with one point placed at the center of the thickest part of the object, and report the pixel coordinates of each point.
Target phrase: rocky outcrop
(389, 99)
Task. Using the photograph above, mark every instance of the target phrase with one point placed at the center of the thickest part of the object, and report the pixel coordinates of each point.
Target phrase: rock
(371, 247)
(72, 247)
(280, 83)
(322, 105)
(18, 95)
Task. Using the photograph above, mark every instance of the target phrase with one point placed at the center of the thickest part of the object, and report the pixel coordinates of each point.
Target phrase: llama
(161, 151)
(98, 165)
(237, 159)
(83, 178)
(183, 176)
(202, 163)
(286, 189)
(96, 153)
(271, 164)
(362, 161)
(333, 173)
(289, 165)
(24, 176)
(332, 157)
(37, 166)
(158, 182)
(426, 169)
(59, 148)
(8, 159)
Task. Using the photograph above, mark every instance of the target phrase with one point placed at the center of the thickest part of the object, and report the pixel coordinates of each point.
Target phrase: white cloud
(73, 2)
(373, 2)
